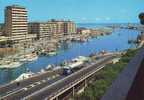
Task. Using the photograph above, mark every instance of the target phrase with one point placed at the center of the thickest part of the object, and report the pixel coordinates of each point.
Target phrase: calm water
(117, 40)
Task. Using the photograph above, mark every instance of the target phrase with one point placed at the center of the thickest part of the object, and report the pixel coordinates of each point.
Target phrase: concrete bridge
(70, 84)
(40, 87)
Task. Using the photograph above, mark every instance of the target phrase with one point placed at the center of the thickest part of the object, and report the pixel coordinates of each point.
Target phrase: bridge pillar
(85, 83)
(56, 98)
(73, 91)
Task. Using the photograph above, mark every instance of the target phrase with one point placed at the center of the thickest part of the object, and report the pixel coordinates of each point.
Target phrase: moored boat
(52, 53)
(24, 76)
(29, 58)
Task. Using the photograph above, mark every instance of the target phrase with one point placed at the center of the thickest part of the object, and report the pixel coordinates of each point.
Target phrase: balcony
(130, 83)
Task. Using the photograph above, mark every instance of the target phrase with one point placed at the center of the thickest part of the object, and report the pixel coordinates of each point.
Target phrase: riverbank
(103, 79)
(44, 48)
(70, 50)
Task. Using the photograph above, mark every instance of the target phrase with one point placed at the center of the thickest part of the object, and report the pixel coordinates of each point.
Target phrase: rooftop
(15, 6)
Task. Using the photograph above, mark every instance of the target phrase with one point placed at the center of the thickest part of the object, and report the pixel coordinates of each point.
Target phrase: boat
(83, 40)
(29, 58)
(42, 71)
(10, 65)
(83, 58)
(131, 41)
(23, 59)
(56, 68)
(49, 67)
(52, 53)
(24, 76)
(77, 62)
(33, 58)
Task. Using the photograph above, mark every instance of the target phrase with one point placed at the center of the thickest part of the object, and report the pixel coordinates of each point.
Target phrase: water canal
(117, 40)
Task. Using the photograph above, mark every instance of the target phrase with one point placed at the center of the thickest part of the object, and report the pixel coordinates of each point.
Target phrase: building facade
(16, 23)
(56, 28)
(1, 29)
(70, 27)
(42, 30)
(51, 29)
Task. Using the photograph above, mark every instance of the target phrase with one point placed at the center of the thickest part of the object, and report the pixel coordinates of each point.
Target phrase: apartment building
(51, 29)
(16, 23)
(57, 28)
(41, 29)
(70, 27)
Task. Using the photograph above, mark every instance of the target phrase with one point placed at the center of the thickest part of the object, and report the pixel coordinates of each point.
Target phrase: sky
(81, 11)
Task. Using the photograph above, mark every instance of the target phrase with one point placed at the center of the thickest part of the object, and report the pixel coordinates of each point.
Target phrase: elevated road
(18, 85)
(40, 87)
(53, 89)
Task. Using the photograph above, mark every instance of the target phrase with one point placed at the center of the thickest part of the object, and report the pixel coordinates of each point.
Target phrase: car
(67, 71)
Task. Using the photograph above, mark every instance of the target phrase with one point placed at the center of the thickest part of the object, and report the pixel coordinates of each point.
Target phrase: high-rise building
(16, 23)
